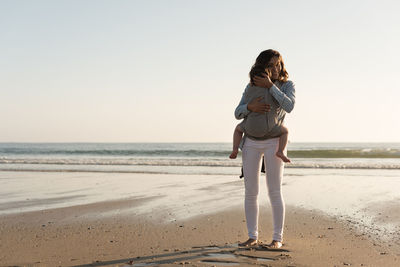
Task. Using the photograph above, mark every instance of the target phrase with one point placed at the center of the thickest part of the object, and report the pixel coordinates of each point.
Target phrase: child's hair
(256, 70)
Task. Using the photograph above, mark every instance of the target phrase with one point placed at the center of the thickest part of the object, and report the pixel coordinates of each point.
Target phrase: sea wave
(345, 153)
(218, 162)
(196, 162)
(302, 153)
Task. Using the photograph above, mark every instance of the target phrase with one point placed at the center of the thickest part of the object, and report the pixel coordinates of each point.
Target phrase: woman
(283, 91)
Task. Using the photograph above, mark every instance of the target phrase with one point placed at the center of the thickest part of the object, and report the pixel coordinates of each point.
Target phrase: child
(257, 124)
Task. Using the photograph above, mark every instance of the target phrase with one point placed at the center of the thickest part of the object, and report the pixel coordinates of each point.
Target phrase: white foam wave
(112, 163)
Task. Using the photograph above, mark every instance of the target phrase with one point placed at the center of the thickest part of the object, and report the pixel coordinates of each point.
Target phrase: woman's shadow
(228, 255)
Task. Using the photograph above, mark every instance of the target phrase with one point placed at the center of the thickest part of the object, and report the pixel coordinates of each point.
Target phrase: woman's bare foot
(275, 244)
(234, 153)
(281, 155)
(249, 243)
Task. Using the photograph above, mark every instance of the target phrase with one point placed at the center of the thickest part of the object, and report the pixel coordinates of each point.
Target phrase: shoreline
(72, 236)
(368, 198)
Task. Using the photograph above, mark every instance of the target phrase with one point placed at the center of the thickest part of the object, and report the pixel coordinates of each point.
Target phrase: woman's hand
(263, 81)
(258, 105)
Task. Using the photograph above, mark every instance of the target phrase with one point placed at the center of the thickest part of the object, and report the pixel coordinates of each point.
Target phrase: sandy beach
(171, 220)
(68, 237)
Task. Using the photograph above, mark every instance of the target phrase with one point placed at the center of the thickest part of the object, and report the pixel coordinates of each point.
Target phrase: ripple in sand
(220, 255)
(221, 263)
(139, 265)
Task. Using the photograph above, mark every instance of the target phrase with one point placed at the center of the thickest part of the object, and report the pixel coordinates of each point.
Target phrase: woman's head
(272, 63)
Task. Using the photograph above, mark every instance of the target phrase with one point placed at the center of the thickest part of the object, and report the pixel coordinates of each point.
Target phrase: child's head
(257, 70)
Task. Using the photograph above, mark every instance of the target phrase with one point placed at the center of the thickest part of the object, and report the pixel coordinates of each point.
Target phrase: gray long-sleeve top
(284, 95)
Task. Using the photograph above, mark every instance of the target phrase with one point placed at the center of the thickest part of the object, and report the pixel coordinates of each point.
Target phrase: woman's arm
(285, 97)
(256, 105)
(241, 110)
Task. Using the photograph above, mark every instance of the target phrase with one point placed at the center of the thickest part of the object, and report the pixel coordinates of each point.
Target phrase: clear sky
(174, 71)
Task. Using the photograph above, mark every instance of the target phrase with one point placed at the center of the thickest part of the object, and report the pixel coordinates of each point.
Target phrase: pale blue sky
(174, 71)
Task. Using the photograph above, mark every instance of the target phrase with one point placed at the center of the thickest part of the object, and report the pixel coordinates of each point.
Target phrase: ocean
(353, 181)
(185, 158)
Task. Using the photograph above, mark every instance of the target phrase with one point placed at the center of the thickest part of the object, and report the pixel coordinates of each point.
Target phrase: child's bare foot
(281, 155)
(233, 155)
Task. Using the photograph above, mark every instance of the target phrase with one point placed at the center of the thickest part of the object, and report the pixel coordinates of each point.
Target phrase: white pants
(252, 153)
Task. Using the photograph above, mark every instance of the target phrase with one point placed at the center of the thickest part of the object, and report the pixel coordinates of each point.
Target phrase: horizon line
(158, 142)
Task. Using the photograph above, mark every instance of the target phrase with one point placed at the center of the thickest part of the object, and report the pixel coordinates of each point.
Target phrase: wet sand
(85, 235)
(333, 218)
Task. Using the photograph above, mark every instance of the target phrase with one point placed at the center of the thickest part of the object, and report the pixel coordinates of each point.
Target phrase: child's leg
(237, 137)
(283, 139)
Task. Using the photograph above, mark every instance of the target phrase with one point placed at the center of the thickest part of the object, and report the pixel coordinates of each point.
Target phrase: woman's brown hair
(262, 62)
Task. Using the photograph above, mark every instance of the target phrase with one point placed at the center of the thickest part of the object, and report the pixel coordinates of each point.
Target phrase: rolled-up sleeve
(241, 110)
(285, 96)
